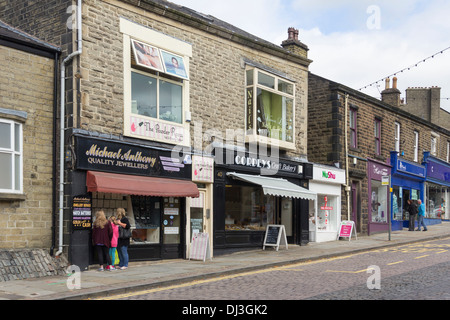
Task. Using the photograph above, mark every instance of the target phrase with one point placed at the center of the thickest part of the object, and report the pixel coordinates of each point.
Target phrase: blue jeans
(123, 256)
(420, 222)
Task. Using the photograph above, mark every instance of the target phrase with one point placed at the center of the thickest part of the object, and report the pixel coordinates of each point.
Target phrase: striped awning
(276, 186)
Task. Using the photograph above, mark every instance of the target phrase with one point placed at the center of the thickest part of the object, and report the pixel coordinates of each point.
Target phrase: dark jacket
(102, 236)
(124, 242)
(412, 208)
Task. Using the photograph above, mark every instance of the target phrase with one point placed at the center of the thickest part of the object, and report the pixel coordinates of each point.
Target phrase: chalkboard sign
(275, 235)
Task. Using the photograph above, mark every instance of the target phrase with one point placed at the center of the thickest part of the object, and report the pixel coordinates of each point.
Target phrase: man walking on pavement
(421, 216)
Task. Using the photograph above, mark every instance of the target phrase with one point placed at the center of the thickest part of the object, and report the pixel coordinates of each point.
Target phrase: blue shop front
(437, 189)
(407, 182)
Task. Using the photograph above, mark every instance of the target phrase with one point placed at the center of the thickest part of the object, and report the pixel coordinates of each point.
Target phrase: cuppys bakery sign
(100, 155)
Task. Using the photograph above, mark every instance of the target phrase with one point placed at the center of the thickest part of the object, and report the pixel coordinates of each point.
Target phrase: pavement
(147, 275)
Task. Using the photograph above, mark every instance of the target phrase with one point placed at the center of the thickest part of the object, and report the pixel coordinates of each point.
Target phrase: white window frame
(14, 153)
(448, 151)
(252, 133)
(397, 136)
(434, 144)
(131, 30)
(416, 146)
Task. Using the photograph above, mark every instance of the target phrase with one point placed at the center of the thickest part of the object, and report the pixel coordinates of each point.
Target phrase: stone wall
(26, 82)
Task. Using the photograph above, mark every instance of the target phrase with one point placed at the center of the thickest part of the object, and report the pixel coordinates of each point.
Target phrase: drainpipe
(62, 126)
(55, 137)
(347, 187)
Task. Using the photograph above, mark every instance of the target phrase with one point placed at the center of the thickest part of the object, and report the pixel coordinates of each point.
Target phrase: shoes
(123, 268)
(112, 268)
(100, 269)
(425, 229)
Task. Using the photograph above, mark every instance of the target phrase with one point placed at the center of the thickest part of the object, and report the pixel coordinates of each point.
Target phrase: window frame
(416, 146)
(434, 144)
(14, 153)
(377, 128)
(158, 78)
(251, 107)
(179, 133)
(353, 125)
(397, 134)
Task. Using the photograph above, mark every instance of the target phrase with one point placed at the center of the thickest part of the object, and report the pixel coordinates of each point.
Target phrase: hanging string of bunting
(406, 69)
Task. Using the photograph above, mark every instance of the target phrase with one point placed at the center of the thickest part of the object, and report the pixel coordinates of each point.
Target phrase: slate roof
(15, 35)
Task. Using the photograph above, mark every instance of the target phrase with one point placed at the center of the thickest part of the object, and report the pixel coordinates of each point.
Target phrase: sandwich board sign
(275, 235)
(346, 229)
(200, 249)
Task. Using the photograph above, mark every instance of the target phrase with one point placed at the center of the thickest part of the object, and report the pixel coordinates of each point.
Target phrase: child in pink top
(114, 240)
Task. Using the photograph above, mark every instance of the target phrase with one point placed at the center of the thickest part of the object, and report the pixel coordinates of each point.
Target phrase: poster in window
(174, 65)
(147, 56)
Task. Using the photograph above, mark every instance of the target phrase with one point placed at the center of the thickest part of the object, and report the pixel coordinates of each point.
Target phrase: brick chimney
(293, 45)
(391, 95)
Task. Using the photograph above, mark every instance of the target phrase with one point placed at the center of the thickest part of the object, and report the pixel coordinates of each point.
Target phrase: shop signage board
(275, 235)
(200, 249)
(100, 155)
(346, 228)
(82, 213)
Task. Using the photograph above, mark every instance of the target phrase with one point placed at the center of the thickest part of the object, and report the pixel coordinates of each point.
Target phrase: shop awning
(276, 186)
(137, 185)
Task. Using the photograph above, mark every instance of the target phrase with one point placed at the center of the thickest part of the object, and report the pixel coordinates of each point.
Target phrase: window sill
(270, 142)
(12, 197)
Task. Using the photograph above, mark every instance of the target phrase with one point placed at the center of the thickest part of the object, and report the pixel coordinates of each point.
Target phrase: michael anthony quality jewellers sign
(100, 155)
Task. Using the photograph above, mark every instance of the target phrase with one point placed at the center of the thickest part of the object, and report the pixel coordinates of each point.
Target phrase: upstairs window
(377, 134)
(397, 137)
(434, 144)
(270, 107)
(11, 172)
(416, 146)
(353, 128)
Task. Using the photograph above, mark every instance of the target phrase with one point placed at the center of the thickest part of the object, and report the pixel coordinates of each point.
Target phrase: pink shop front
(378, 185)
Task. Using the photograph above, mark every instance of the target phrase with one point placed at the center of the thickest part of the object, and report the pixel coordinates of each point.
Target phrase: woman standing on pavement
(123, 243)
(101, 239)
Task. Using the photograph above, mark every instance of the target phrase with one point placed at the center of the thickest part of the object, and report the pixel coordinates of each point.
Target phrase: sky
(354, 42)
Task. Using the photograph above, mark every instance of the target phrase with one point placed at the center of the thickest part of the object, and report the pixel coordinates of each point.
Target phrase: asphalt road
(413, 272)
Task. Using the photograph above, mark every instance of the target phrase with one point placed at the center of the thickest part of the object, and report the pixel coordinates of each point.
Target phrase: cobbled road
(418, 271)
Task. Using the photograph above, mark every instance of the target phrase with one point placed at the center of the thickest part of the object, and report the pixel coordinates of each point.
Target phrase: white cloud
(342, 47)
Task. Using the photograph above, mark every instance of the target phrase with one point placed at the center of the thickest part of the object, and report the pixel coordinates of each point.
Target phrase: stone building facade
(27, 82)
(104, 117)
(377, 131)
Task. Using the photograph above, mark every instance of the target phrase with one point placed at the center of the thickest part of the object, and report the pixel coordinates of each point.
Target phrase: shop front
(437, 189)
(378, 191)
(324, 219)
(246, 201)
(407, 183)
(152, 186)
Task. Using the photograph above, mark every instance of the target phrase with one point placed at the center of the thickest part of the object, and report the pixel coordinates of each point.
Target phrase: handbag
(124, 233)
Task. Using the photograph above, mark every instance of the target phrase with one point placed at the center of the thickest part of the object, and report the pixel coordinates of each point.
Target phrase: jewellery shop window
(145, 220)
(248, 208)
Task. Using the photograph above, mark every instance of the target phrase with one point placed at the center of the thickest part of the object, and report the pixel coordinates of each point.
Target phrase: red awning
(137, 185)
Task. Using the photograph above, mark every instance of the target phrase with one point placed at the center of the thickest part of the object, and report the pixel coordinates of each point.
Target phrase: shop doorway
(405, 197)
(287, 218)
(200, 215)
(355, 207)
